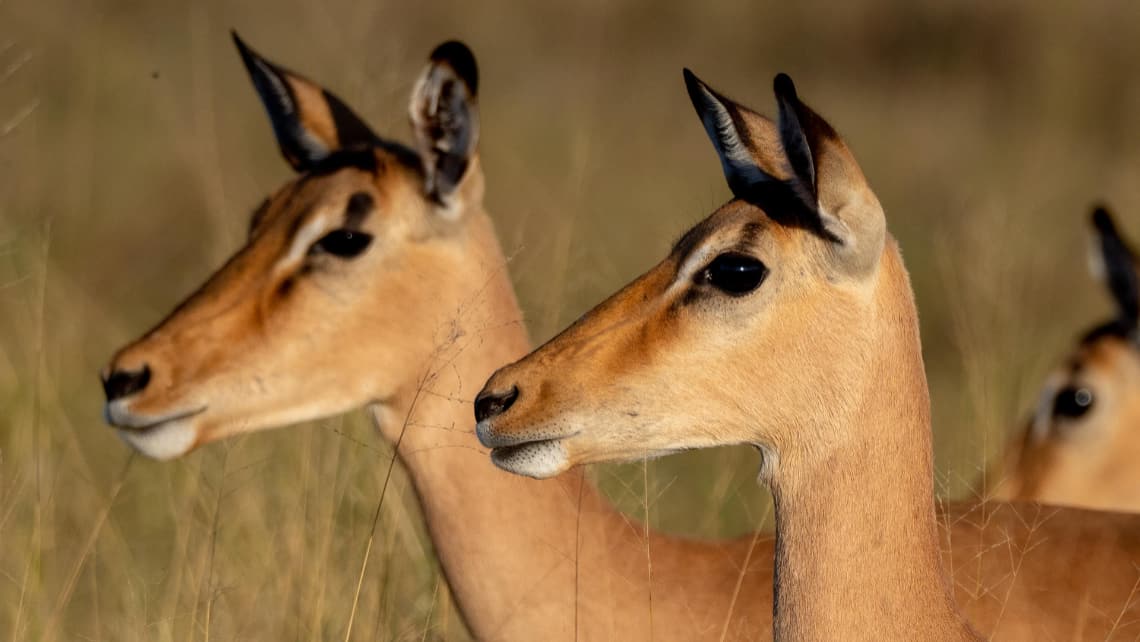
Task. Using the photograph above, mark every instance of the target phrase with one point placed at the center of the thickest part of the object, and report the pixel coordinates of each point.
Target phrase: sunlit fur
(232, 349)
(410, 329)
(1089, 461)
(821, 369)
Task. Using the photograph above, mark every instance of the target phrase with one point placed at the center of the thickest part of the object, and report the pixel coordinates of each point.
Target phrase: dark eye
(1072, 402)
(735, 274)
(343, 243)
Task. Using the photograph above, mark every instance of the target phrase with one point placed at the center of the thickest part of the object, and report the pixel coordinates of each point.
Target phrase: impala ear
(310, 123)
(445, 119)
(1112, 261)
(826, 171)
(800, 172)
(738, 135)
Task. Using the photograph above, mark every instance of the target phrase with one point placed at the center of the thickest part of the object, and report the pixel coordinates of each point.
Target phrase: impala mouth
(118, 415)
(525, 455)
(538, 459)
(160, 438)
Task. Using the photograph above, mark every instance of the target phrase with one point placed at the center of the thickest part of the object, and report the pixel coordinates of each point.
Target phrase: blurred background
(132, 149)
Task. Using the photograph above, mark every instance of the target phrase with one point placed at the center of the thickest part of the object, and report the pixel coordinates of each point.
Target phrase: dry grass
(131, 149)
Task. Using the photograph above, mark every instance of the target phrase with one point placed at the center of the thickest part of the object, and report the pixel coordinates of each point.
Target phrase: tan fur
(1088, 461)
(411, 328)
(314, 110)
(821, 369)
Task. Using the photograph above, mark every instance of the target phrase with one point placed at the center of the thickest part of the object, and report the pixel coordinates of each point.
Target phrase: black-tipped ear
(756, 163)
(445, 118)
(795, 141)
(1116, 266)
(310, 123)
(800, 172)
(724, 124)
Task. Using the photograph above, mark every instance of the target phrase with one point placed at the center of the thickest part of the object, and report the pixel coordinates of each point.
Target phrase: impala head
(1083, 441)
(769, 300)
(348, 270)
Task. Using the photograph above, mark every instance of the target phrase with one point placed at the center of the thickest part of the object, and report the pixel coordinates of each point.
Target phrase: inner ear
(445, 118)
(309, 122)
(767, 165)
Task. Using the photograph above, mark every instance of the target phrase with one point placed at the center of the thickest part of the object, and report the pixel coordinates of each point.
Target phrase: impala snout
(124, 383)
(491, 404)
(518, 443)
(134, 384)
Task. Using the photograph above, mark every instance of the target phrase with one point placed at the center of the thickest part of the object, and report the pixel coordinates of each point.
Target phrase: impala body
(374, 279)
(786, 320)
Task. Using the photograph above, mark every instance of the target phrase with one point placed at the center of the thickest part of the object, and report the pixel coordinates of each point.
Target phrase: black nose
(489, 404)
(121, 383)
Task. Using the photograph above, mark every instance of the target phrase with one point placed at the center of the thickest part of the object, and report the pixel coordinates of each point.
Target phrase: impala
(374, 279)
(786, 320)
(1082, 444)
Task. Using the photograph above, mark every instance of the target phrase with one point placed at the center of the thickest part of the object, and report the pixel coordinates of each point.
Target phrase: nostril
(490, 404)
(121, 383)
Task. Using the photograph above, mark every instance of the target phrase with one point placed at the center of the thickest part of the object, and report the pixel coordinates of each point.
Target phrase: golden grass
(131, 149)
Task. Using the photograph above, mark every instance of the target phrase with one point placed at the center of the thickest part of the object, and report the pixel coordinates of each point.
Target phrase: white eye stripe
(303, 239)
(696, 260)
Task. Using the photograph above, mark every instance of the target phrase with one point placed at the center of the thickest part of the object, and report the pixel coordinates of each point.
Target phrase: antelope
(373, 279)
(1080, 447)
(785, 320)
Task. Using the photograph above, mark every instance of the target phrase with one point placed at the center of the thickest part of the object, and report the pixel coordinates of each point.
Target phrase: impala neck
(494, 532)
(857, 548)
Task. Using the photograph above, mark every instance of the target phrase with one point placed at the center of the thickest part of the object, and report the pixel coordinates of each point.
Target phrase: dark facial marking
(749, 235)
(692, 239)
(361, 157)
(784, 205)
(1115, 328)
(359, 207)
(285, 287)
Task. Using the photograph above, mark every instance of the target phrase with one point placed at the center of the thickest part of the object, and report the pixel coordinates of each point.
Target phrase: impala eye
(1072, 402)
(344, 243)
(735, 274)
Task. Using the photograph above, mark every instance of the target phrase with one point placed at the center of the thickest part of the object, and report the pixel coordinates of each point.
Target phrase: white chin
(165, 441)
(538, 459)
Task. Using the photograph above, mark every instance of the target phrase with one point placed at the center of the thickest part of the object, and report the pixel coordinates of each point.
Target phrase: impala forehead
(731, 229)
(297, 202)
(1098, 352)
(338, 201)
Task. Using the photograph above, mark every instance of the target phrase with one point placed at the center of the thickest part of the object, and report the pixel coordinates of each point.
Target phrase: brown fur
(821, 369)
(1088, 461)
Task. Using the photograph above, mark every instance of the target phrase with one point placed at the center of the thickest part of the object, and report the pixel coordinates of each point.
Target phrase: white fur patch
(733, 151)
(164, 441)
(309, 233)
(696, 260)
(538, 459)
(279, 89)
(1043, 414)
